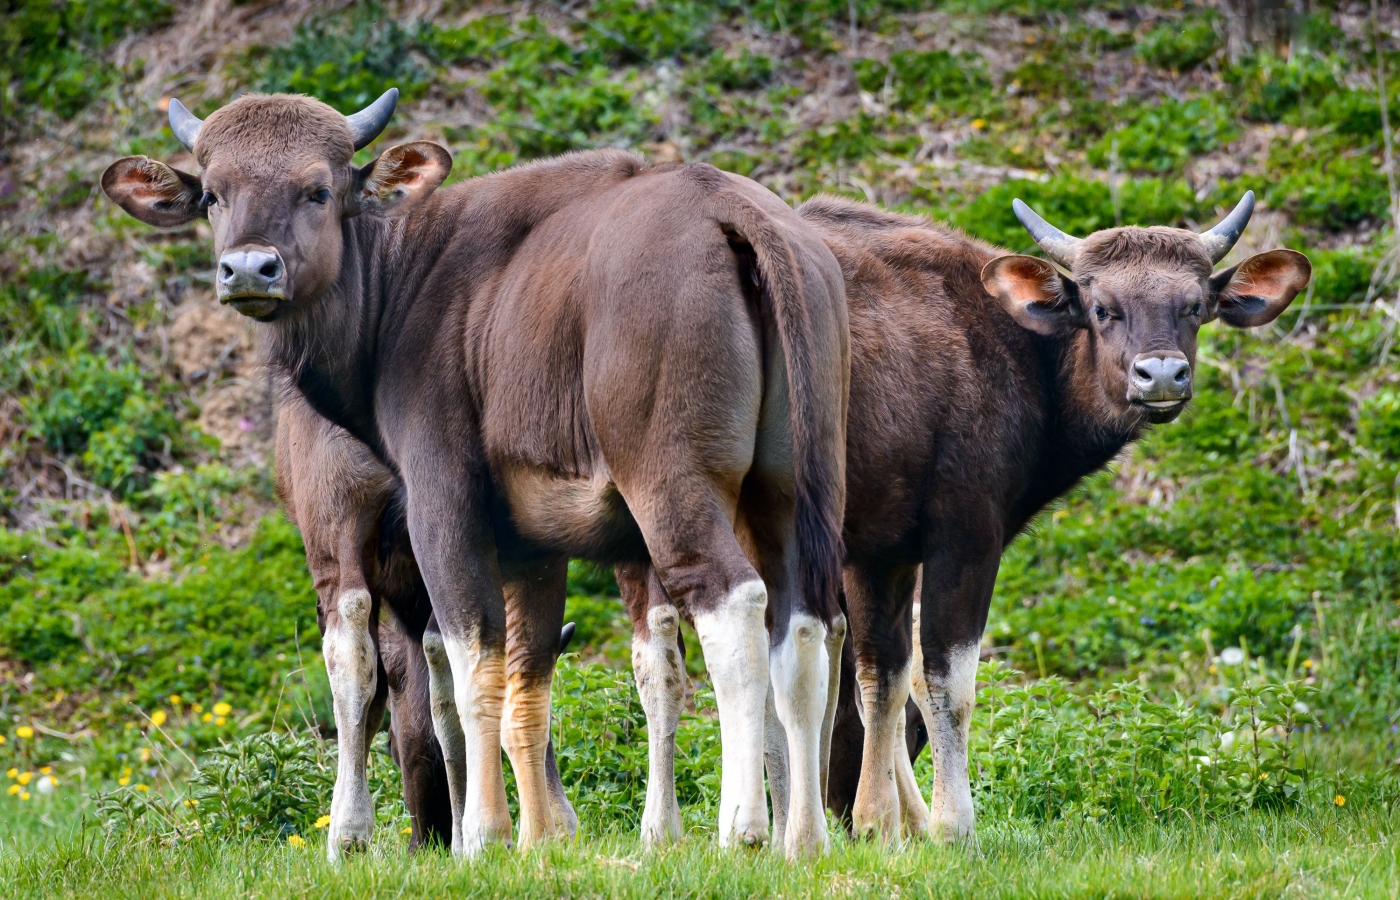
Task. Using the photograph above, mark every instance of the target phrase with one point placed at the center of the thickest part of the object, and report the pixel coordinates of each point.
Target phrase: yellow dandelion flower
(25, 777)
(124, 780)
(24, 731)
(1308, 663)
(129, 725)
(1213, 668)
(145, 754)
(11, 772)
(126, 771)
(175, 699)
(197, 707)
(3, 739)
(407, 829)
(220, 720)
(158, 718)
(323, 821)
(979, 124)
(207, 717)
(1340, 800)
(14, 789)
(46, 770)
(143, 787)
(24, 795)
(296, 841)
(222, 709)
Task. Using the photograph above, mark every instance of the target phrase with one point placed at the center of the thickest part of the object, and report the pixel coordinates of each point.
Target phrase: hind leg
(880, 598)
(955, 596)
(426, 791)
(701, 566)
(659, 668)
(534, 613)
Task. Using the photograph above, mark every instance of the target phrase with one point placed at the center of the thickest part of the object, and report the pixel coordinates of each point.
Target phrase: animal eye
(207, 200)
(320, 196)
(1195, 310)
(1101, 314)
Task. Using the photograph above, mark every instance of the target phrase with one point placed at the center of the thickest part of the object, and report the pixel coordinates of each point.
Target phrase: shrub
(950, 84)
(1041, 751)
(347, 61)
(629, 31)
(1165, 136)
(1182, 45)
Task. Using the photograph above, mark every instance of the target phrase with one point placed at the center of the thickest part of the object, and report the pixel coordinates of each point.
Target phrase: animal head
(1142, 295)
(276, 183)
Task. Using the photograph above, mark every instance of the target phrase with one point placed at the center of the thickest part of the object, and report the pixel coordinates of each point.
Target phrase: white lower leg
(946, 700)
(835, 639)
(351, 663)
(800, 674)
(479, 679)
(661, 680)
(735, 645)
(876, 810)
(776, 762)
(912, 809)
(447, 725)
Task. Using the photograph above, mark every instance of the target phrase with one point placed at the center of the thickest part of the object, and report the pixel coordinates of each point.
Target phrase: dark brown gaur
(983, 386)
(346, 505)
(582, 357)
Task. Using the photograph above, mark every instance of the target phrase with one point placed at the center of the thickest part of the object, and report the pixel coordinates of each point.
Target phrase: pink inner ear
(1024, 281)
(1269, 276)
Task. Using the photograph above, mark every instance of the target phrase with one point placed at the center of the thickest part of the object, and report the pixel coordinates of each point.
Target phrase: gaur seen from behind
(584, 357)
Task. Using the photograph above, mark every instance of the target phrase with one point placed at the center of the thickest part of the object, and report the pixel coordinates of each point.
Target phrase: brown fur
(964, 424)
(581, 357)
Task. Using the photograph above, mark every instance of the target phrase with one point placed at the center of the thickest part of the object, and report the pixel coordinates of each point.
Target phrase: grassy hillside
(1210, 629)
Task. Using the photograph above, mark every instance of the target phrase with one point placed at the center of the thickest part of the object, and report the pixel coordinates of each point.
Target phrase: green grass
(1316, 853)
(1263, 523)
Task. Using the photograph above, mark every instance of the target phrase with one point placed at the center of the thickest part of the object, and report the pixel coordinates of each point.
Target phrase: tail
(795, 299)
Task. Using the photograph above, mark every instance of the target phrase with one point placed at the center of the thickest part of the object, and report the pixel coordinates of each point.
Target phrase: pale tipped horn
(366, 124)
(1060, 247)
(184, 123)
(1222, 237)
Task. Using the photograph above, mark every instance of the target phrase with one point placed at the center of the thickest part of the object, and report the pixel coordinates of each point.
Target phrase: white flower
(1300, 707)
(46, 784)
(1232, 656)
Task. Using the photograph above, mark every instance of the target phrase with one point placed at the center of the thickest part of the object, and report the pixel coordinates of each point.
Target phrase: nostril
(225, 271)
(1141, 372)
(1183, 375)
(270, 269)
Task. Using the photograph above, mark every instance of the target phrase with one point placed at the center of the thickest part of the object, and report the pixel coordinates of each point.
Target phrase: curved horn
(366, 124)
(184, 123)
(1222, 237)
(1060, 247)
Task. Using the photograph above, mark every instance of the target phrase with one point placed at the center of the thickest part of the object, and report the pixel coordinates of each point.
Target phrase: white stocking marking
(800, 676)
(946, 701)
(479, 679)
(876, 807)
(447, 725)
(351, 663)
(660, 675)
(775, 760)
(735, 643)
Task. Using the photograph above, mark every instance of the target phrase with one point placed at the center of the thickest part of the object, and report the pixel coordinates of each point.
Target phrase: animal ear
(399, 180)
(1034, 293)
(1258, 290)
(154, 192)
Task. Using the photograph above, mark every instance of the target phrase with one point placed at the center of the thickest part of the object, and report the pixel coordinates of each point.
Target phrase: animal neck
(1084, 429)
(327, 349)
